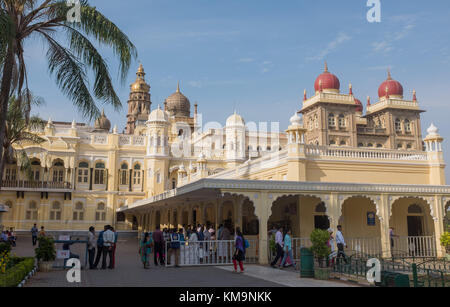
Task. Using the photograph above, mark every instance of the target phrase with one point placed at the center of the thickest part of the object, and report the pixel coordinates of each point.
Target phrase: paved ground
(129, 273)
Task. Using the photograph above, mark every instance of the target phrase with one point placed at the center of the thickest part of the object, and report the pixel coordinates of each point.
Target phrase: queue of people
(193, 245)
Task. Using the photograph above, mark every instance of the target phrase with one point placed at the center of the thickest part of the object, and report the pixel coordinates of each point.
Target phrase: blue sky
(257, 56)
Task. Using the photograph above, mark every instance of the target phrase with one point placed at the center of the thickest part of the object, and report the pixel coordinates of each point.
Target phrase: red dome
(394, 88)
(329, 81)
(359, 106)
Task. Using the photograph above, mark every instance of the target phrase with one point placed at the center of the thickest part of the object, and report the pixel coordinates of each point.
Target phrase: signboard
(63, 254)
(63, 238)
(371, 217)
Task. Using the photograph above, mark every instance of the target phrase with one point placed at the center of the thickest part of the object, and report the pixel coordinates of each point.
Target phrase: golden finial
(178, 87)
(389, 74)
(326, 67)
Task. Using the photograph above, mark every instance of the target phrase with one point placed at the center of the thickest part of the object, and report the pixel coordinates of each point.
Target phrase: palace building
(335, 164)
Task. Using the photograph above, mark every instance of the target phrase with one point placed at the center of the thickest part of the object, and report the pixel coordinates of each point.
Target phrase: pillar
(238, 212)
(263, 210)
(218, 213)
(438, 218)
(384, 215)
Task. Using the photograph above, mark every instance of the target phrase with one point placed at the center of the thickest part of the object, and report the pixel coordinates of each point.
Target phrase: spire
(103, 112)
(178, 87)
(74, 124)
(389, 74)
(414, 95)
(368, 101)
(350, 89)
(326, 67)
(304, 95)
(195, 108)
(140, 73)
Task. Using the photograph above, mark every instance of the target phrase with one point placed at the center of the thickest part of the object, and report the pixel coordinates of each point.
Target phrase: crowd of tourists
(8, 236)
(194, 245)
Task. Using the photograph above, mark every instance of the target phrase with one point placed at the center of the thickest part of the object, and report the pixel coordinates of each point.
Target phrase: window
(58, 172)
(158, 177)
(83, 172)
(55, 212)
(99, 173)
(331, 120)
(379, 146)
(408, 146)
(407, 126)
(137, 174)
(124, 174)
(360, 145)
(370, 145)
(10, 174)
(32, 212)
(35, 170)
(398, 125)
(316, 122)
(9, 204)
(78, 212)
(332, 142)
(342, 121)
(100, 213)
(399, 146)
(311, 123)
(343, 143)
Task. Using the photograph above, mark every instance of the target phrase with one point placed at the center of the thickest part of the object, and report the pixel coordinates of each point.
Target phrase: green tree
(21, 131)
(69, 62)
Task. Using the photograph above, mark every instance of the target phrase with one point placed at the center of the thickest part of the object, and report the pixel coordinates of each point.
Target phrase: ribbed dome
(359, 106)
(158, 115)
(394, 88)
(178, 104)
(296, 120)
(235, 120)
(327, 81)
(140, 85)
(102, 123)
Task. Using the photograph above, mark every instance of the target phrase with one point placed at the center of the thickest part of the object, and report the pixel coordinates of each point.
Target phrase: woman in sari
(145, 249)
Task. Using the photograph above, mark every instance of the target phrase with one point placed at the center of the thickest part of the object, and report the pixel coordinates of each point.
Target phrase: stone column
(384, 214)
(334, 212)
(263, 210)
(438, 218)
(218, 211)
(238, 212)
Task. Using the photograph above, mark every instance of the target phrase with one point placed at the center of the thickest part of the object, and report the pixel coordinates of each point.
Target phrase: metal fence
(218, 252)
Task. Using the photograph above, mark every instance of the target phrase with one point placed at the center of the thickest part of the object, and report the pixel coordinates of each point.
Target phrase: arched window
(83, 172)
(343, 143)
(58, 172)
(9, 204)
(342, 121)
(100, 213)
(137, 174)
(398, 125)
(379, 146)
(332, 142)
(36, 170)
(32, 211)
(316, 122)
(78, 212)
(99, 173)
(407, 126)
(370, 145)
(408, 146)
(415, 209)
(55, 212)
(360, 145)
(399, 146)
(124, 174)
(331, 120)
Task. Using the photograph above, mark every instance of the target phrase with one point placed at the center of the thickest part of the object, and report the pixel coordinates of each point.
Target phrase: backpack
(175, 241)
(246, 244)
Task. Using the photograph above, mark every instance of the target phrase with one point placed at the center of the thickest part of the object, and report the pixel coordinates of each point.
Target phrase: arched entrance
(361, 226)
(413, 228)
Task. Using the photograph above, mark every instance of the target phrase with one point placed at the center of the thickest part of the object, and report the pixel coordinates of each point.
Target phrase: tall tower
(139, 102)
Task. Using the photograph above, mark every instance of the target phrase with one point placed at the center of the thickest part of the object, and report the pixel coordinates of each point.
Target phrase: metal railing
(211, 253)
(26, 184)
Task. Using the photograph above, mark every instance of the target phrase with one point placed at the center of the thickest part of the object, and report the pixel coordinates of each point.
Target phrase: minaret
(139, 102)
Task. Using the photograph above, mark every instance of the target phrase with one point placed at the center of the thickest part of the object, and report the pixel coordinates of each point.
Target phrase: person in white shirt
(92, 244)
(340, 242)
(108, 241)
(279, 246)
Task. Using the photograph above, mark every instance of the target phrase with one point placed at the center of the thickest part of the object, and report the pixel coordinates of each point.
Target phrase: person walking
(278, 246)
(225, 235)
(239, 252)
(175, 244)
(42, 232)
(92, 244)
(340, 242)
(158, 241)
(330, 244)
(145, 249)
(287, 249)
(99, 247)
(108, 242)
(34, 234)
(114, 247)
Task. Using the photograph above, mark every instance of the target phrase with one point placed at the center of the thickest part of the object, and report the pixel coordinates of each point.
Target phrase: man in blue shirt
(99, 248)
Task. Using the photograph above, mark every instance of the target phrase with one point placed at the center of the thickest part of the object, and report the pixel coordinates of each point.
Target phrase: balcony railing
(26, 184)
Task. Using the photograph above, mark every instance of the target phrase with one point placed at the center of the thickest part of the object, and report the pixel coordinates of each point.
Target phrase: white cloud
(388, 44)
(332, 46)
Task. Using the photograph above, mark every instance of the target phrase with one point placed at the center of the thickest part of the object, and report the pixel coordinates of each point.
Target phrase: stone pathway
(130, 273)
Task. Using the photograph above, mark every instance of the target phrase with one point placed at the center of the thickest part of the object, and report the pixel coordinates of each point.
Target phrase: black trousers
(99, 255)
(34, 240)
(280, 254)
(107, 251)
(158, 250)
(341, 253)
(91, 257)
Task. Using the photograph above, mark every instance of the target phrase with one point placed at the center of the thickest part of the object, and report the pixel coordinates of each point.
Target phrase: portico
(366, 211)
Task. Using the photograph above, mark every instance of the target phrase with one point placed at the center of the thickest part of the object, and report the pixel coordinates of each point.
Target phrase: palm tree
(69, 63)
(21, 131)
